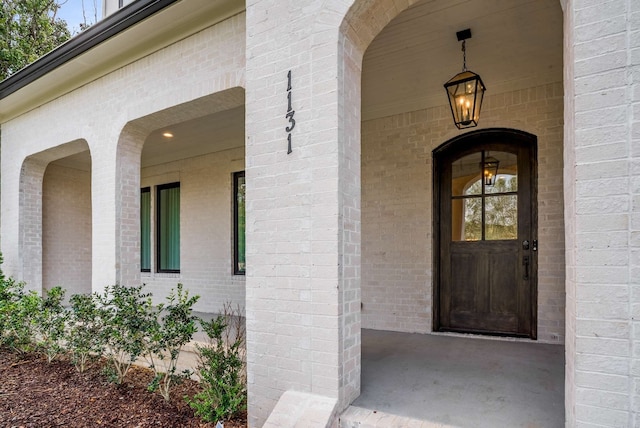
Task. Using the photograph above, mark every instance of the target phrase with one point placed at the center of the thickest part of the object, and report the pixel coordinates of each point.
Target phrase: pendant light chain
(464, 56)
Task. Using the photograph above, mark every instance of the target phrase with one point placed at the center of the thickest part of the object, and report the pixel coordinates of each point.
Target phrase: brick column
(30, 223)
(10, 203)
(303, 208)
(116, 210)
(128, 205)
(103, 199)
(602, 77)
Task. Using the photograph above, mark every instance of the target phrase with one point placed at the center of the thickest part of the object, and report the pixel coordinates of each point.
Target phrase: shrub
(12, 332)
(10, 294)
(27, 321)
(18, 310)
(50, 319)
(84, 327)
(221, 368)
(167, 337)
(127, 315)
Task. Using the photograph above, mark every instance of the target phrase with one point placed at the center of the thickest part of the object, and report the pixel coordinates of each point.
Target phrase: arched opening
(518, 51)
(55, 219)
(66, 224)
(179, 168)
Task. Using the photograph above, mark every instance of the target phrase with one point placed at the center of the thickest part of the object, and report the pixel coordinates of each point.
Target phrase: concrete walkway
(444, 381)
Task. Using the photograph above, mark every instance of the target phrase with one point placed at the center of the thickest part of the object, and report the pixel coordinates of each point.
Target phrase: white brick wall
(143, 95)
(397, 204)
(206, 228)
(303, 228)
(66, 230)
(601, 193)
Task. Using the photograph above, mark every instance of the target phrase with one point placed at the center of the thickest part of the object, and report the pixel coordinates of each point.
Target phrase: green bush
(10, 294)
(167, 337)
(221, 368)
(127, 315)
(84, 330)
(50, 321)
(18, 310)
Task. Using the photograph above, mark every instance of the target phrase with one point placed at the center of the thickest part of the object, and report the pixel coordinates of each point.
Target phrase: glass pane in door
(506, 172)
(501, 217)
(465, 175)
(466, 219)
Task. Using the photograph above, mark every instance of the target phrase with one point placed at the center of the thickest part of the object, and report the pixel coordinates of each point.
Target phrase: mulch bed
(34, 393)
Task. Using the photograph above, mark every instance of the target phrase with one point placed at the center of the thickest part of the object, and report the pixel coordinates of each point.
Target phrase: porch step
(303, 410)
(358, 417)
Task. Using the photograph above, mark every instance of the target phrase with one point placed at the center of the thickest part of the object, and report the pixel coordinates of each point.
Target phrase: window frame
(146, 190)
(158, 210)
(236, 225)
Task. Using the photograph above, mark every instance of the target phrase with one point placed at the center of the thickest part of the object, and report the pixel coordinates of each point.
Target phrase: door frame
(463, 143)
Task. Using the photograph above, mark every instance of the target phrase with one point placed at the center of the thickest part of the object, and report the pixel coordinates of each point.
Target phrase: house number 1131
(290, 113)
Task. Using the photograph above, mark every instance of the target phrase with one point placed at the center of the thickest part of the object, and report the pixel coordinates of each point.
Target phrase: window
(239, 264)
(145, 229)
(168, 227)
(482, 208)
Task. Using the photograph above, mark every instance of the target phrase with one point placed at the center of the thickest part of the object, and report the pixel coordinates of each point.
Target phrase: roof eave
(88, 39)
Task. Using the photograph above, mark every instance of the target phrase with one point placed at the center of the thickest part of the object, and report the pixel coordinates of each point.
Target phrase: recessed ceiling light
(167, 134)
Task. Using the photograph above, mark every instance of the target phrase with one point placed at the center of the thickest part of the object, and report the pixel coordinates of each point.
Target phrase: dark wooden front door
(485, 234)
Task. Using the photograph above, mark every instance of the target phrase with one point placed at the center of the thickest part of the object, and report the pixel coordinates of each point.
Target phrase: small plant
(128, 315)
(18, 311)
(11, 293)
(50, 319)
(221, 368)
(84, 339)
(165, 341)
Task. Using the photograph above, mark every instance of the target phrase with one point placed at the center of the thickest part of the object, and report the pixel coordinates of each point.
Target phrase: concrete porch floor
(457, 381)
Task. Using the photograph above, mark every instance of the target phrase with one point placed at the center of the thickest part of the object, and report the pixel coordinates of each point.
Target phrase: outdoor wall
(66, 229)
(602, 183)
(208, 62)
(397, 231)
(206, 229)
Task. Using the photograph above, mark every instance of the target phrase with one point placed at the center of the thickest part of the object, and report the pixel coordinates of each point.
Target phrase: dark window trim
(102, 31)
(236, 176)
(158, 190)
(145, 190)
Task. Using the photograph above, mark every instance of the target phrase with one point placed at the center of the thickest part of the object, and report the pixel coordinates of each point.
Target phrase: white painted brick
(600, 416)
(605, 329)
(66, 240)
(604, 382)
(397, 253)
(606, 399)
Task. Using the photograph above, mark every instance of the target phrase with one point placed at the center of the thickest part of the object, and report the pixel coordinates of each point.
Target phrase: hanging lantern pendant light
(489, 167)
(465, 91)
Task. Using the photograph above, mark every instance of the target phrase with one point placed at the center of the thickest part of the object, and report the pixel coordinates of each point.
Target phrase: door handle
(525, 263)
(525, 244)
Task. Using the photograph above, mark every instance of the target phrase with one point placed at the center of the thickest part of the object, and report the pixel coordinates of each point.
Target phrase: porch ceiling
(212, 133)
(215, 132)
(514, 45)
